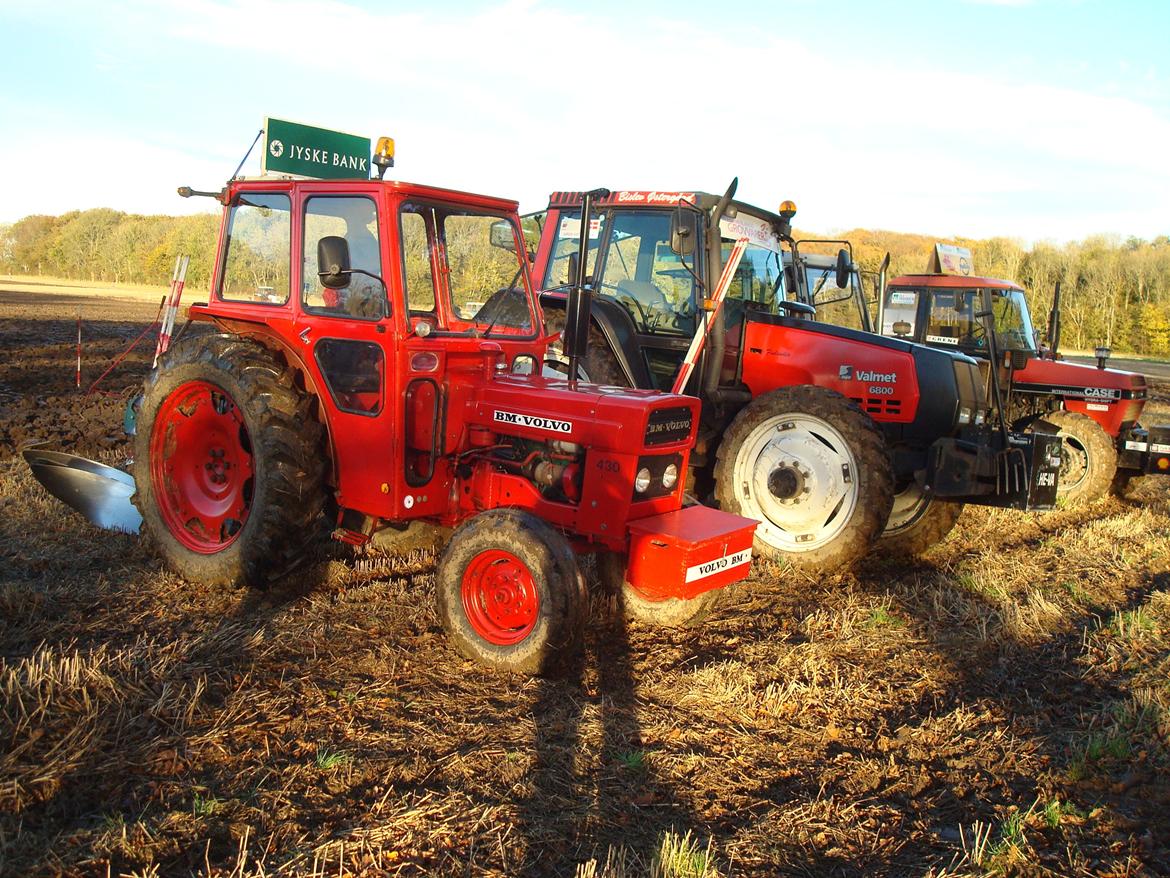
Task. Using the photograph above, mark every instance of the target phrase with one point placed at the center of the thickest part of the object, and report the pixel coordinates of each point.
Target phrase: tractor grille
(878, 405)
(668, 425)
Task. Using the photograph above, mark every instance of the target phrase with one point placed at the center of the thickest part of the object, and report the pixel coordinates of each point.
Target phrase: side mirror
(684, 228)
(901, 328)
(333, 262)
(844, 268)
(501, 235)
(574, 263)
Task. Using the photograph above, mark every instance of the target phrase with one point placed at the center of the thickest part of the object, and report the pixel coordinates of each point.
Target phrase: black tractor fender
(614, 323)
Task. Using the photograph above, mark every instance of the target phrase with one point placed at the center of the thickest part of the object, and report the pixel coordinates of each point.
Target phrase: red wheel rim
(500, 597)
(201, 466)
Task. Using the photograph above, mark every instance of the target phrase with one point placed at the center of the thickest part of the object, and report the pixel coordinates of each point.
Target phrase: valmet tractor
(829, 437)
(1095, 409)
(373, 355)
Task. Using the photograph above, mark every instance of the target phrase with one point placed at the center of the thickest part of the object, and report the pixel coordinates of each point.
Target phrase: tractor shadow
(594, 786)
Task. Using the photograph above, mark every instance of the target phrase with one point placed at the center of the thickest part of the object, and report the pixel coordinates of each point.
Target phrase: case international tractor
(375, 358)
(830, 437)
(1095, 409)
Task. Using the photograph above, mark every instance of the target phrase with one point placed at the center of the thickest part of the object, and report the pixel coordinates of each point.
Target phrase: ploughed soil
(1000, 706)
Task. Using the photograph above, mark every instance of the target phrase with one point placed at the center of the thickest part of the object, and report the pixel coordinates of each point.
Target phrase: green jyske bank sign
(291, 148)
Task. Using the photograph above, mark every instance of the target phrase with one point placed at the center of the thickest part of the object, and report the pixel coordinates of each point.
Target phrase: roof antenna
(248, 153)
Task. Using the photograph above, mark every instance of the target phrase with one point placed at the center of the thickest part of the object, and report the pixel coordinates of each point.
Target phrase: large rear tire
(917, 522)
(229, 469)
(813, 469)
(1090, 458)
(636, 607)
(510, 594)
(599, 364)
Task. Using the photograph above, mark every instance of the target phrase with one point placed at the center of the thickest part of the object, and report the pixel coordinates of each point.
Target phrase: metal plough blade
(101, 493)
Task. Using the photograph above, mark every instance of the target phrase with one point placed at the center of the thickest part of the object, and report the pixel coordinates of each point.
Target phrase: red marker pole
(716, 302)
(166, 324)
(79, 350)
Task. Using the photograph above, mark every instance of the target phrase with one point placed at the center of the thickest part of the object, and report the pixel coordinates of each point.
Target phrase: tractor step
(684, 553)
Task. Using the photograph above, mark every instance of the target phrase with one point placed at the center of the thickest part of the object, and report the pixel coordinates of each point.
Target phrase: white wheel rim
(910, 504)
(1074, 467)
(810, 463)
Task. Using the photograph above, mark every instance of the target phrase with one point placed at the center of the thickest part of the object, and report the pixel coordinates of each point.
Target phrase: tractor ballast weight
(765, 359)
(378, 357)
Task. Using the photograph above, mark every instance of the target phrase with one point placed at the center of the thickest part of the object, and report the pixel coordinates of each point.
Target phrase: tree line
(1113, 292)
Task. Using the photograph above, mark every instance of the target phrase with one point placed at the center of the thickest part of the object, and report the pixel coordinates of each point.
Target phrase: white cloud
(520, 98)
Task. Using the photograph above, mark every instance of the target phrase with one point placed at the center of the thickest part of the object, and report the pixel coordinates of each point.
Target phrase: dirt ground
(1000, 707)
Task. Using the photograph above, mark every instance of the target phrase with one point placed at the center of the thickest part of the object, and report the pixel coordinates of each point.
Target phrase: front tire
(813, 469)
(229, 470)
(636, 607)
(917, 522)
(510, 594)
(1090, 458)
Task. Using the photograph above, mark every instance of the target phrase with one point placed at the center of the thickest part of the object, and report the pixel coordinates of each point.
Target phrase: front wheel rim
(910, 504)
(1075, 463)
(500, 598)
(201, 467)
(797, 475)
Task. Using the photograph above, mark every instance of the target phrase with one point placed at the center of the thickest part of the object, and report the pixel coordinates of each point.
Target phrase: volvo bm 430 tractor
(374, 358)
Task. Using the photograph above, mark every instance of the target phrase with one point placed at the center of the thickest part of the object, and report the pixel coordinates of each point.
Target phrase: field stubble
(1002, 706)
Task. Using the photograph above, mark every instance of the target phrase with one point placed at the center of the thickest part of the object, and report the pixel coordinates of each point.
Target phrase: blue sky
(1038, 120)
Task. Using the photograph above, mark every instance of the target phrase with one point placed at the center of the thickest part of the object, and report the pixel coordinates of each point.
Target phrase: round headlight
(670, 476)
(642, 480)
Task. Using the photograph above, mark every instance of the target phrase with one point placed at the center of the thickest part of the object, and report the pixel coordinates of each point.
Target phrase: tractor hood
(1079, 381)
(599, 417)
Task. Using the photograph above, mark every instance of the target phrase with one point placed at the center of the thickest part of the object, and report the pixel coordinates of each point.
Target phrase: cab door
(346, 333)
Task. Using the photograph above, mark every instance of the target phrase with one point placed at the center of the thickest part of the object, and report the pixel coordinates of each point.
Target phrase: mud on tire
(670, 613)
(787, 458)
(1090, 458)
(229, 463)
(510, 594)
(599, 363)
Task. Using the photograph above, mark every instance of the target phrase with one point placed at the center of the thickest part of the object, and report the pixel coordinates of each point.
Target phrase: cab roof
(952, 280)
(283, 183)
(659, 198)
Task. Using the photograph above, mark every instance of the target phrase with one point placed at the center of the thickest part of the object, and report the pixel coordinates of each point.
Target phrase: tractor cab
(1096, 409)
(959, 312)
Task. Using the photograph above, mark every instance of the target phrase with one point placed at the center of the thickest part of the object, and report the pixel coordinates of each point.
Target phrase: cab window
(416, 235)
(952, 318)
(355, 219)
(835, 305)
(900, 315)
(256, 265)
(640, 272)
(568, 242)
(480, 262)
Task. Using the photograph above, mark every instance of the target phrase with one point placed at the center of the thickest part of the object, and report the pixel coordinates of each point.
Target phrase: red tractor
(371, 355)
(1095, 409)
(830, 437)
